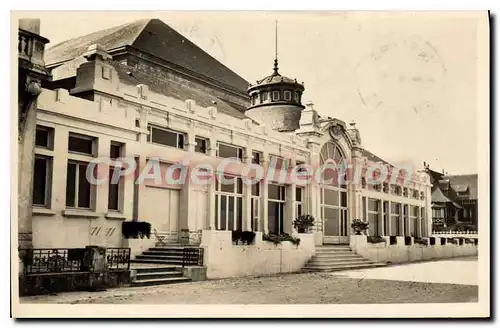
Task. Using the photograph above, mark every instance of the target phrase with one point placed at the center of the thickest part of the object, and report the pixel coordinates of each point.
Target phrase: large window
(396, 228)
(78, 188)
(229, 203)
(387, 222)
(299, 199)
(276, 208)
(255, 206)
(42, 181)
(373, 211)
(166, 137)
(414, 226)
(330, 152)
(229, 151)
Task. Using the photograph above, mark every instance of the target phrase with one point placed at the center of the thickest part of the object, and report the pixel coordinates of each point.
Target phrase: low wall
(225, 260)
(406, 250)
(45, 283)
(139, 245)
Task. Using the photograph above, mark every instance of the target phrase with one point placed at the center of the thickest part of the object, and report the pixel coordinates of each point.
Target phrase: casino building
(143, 91)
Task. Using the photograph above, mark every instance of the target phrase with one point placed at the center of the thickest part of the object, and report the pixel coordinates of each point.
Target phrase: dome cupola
(276, 101)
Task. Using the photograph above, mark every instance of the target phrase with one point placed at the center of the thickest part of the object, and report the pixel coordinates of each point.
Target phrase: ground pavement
(453, 280)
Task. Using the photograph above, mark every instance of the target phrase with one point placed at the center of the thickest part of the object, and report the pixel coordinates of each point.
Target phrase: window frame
(206, 140)
(77, 184)
(48, 181)
(177, 133)
(274, 97)
(50, 137)
(83, 137)
(287, 93)
(239, 150)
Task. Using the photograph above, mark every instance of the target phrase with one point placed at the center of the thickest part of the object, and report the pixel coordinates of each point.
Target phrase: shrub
(407, 241)
(277, 239)
(432, 241)
(359, 226)
(393, 240)
(421, 241)
(375, 239)
(303, 223)
(235, 236)
(136, 229)
(246, 237)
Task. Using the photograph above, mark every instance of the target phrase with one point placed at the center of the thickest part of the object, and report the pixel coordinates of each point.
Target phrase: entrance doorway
(335, 216)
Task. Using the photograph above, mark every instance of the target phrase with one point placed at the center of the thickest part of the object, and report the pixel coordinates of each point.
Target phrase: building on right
(454, 201)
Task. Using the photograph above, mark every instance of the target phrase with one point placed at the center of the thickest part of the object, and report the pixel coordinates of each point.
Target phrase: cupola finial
(276, 49)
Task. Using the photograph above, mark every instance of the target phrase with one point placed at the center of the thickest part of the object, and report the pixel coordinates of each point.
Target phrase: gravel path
(307, 288)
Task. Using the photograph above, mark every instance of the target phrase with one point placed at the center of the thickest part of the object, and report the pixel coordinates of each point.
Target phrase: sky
(408, 80)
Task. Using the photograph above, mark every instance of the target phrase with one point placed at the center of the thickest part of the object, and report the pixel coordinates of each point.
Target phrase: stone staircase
(336, 258)
(157, 275)
(159, 266)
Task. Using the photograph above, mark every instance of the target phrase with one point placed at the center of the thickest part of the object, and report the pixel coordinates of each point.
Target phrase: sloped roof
(465, 179)
(156, 38)
(437, 196)
(174, 89)
(372, 157)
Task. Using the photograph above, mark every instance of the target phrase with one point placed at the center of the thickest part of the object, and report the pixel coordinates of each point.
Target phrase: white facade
(123, 115)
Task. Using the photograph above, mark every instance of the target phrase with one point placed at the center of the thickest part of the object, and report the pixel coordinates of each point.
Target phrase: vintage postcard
(250, 164)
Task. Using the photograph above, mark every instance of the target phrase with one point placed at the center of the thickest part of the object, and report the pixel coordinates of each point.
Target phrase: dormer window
(288, 95)
(297, 96)
(276, 95)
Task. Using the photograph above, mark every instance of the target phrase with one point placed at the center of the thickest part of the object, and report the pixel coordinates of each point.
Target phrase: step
(154, 269)
(333, 250)
(161, 281)
(158, 275)
(156, 261)
(345, 267)
(342, 263)
(165, 251)
(335, 260)
(162, 255)
(337, 254)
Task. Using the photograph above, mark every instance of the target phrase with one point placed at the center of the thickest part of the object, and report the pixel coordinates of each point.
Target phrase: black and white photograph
(270, 161)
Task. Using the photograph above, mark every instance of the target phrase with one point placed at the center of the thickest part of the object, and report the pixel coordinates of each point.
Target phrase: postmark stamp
(402, 72)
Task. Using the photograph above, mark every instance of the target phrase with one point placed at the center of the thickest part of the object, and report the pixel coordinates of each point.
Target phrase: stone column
(211, 186)
(186, 206)
(31, 71)
(290, 205)
(264, 192)
(247, 192)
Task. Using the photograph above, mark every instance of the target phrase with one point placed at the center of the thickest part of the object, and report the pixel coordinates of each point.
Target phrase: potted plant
(303, 223)
(359, 226)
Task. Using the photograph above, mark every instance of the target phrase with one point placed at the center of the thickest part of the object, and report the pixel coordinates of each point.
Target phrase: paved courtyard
(453, 280)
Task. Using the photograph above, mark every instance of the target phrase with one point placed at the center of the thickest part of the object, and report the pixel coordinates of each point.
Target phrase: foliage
(421, 241)
(246, 237)
(277, 239)
(452, 241)
(136, 229)
(359, 225)
(375, 239)
(303, 222)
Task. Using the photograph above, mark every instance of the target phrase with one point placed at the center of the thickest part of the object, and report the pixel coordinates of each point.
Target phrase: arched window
(331, 153)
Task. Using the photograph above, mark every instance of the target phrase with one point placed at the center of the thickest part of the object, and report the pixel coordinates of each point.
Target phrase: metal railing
(59, 260)
(452, 234)
(52, 260)
(192, 256)
(118, 258)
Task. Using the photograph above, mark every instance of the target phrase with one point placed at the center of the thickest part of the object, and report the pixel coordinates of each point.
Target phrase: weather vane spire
(276, 49)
